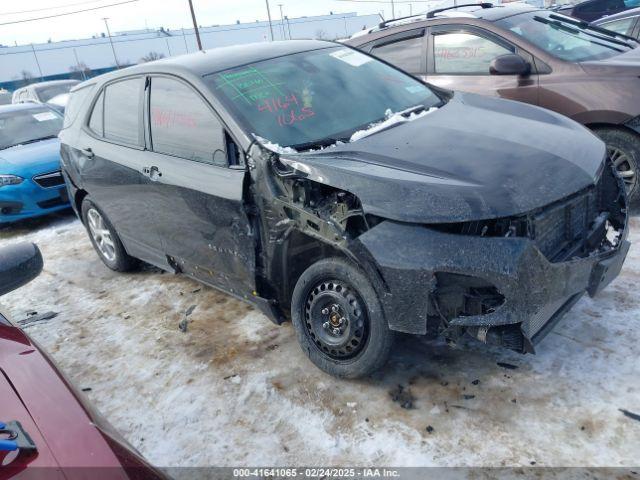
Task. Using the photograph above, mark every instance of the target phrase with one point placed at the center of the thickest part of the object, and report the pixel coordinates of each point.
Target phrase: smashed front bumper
(536, 292)
(505, 290)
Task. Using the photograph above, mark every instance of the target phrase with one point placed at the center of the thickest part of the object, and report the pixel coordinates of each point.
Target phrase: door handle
(152, 172)
(87, 152)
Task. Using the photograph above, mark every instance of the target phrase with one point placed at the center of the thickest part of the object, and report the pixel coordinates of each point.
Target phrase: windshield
(47, 93)
(317, 97)
(564, 37)
(26, 126)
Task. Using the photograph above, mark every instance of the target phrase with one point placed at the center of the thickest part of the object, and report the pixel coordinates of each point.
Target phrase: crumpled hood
(475, 158)
(31, 159)
(625, 64)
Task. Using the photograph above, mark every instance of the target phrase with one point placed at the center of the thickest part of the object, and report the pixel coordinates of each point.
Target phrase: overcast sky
(156, 13)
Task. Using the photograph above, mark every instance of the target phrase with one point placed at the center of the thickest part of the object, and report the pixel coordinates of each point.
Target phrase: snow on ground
(236, 390)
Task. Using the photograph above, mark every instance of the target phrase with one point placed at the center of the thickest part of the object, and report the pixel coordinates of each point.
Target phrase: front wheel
(339, 321)
(623, 149)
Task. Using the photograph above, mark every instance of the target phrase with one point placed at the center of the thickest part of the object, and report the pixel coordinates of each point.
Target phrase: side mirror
(509, 64)
(19, 264)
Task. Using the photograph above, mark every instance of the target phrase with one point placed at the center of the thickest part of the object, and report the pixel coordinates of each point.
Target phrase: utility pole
(75, 54)
(195, 25)
(270, 24)
(37, 62)
(113, 49)
(185, 41)
(393, 10)
(284, 34)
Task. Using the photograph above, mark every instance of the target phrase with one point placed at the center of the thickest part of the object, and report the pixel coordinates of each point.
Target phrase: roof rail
(433, 13)
(384, 24)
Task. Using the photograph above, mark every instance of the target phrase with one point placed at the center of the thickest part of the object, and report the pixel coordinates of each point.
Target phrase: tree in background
(151, 56)
(80, 71)
(26, 75)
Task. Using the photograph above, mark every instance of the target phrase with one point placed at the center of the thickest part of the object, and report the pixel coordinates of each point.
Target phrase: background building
(88, 57)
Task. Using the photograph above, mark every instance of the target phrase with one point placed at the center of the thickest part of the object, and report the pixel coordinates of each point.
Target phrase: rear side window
(183, 125)
(405, 54)
(122, 111)
(97, 115)
(76, 100)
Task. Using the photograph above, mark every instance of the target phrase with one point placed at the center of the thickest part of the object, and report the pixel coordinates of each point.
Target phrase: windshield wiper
(321, 143)
(26, 142)
(574, 31)
(584, 25)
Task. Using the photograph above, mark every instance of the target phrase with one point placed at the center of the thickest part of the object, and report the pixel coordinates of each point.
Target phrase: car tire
(339, 320)
(105, 239)
(623, 148)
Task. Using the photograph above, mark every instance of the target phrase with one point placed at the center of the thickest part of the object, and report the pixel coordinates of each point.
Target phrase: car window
(465, 53)
(600, 6)
(183, 125)
(405, 54)
(623, 25)
(562, 37)
(631, 3)
(313, 98)
(96, 121)
(28, 126)
(122, 112)
(73, 103)
(47, 92)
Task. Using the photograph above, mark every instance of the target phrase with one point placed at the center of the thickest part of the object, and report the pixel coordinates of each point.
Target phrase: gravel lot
(236, 390)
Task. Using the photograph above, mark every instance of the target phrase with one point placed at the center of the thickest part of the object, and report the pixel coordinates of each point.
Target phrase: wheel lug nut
(325, 325)
(334, 308)
(336, 331)
(325, 311)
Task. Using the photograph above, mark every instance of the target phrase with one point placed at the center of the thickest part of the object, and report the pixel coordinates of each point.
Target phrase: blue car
(30, 180)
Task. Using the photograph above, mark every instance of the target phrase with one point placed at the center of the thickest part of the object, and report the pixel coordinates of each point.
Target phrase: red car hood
(66, 433)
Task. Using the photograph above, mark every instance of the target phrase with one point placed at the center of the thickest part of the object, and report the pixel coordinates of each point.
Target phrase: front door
(197, 192)
(459, 57)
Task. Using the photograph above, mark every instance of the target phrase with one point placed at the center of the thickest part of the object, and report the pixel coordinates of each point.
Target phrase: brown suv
(535, 56)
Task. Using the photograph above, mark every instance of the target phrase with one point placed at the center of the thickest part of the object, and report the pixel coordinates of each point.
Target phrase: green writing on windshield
(248, 85)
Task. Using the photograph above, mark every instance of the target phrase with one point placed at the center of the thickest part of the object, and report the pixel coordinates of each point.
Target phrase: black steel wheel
(335, 319)
(339, 320)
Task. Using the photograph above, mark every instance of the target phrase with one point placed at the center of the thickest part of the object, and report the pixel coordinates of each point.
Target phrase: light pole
(113, 49)
(284, 34)
(195, 25)
(393, 9)
(270, 24)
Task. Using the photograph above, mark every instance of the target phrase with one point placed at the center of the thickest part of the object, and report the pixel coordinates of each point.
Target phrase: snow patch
(390, 120)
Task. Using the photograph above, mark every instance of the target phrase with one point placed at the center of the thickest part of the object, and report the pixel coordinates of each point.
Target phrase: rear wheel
(623, 149)
(105, 240)
(339, 320)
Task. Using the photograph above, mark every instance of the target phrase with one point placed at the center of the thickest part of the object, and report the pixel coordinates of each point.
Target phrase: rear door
(459, 56)
(110, 155)
(197, 188)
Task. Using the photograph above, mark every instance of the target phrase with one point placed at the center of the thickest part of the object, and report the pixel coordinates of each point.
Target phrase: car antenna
(432, 13)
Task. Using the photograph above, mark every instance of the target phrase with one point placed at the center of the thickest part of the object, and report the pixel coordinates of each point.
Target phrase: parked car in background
(591, 10)
(30, 180)
(534, 56)
(59, 102)
(47, 428)
(320, 183)
(5, 97)
(626, 23)
(42, 92)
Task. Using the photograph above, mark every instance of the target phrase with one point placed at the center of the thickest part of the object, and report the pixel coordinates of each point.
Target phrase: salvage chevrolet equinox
(326, 186)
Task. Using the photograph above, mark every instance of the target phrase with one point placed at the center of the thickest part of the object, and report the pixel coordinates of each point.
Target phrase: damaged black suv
(327, 186)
